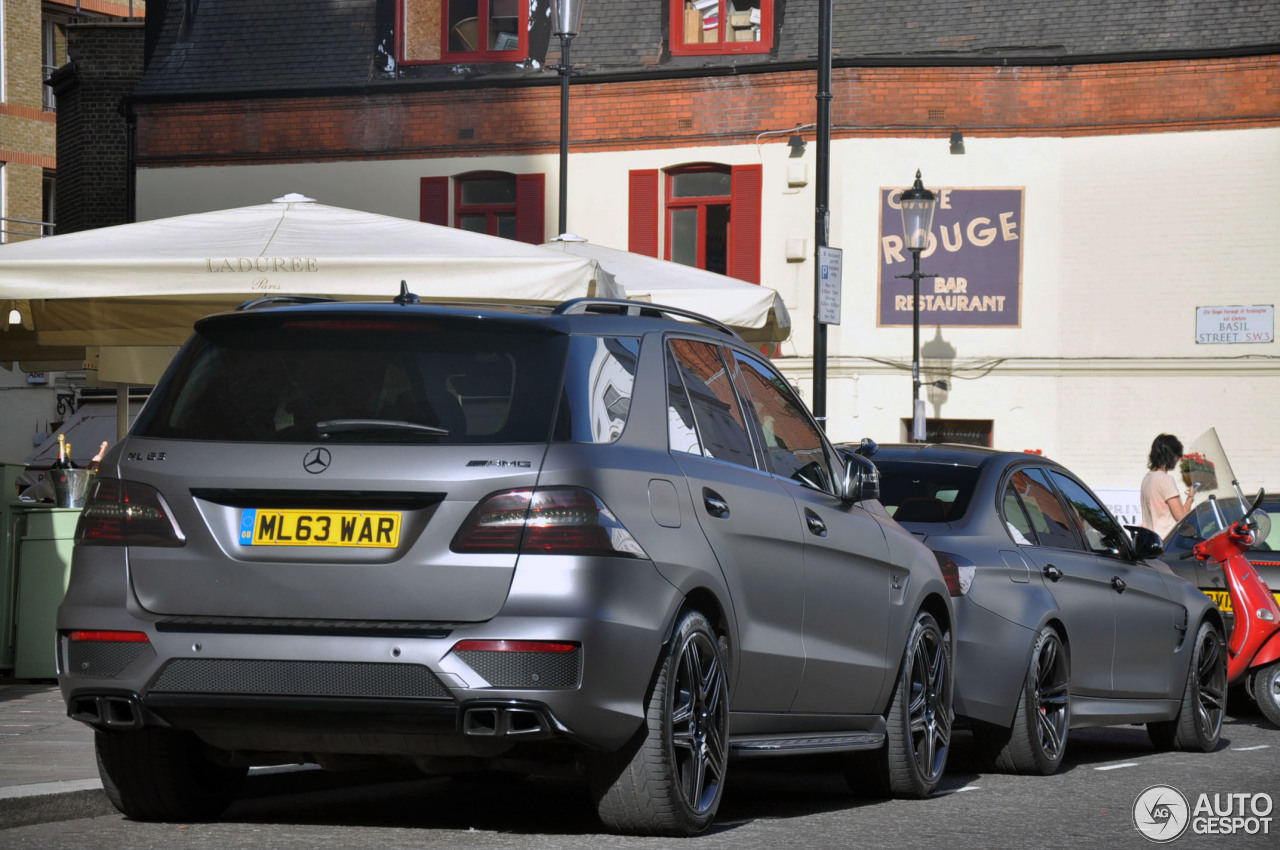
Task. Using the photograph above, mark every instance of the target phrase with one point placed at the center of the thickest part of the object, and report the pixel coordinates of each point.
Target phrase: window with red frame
(721, 26)
(474, 30)
(493, 202)
(710, 212)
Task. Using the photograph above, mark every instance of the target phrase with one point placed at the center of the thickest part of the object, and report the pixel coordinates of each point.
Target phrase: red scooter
(1253, 653)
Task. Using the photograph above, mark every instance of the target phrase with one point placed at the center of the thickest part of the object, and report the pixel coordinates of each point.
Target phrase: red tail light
(126, 513)
(566, 521)
(103, 636)
(956, 571)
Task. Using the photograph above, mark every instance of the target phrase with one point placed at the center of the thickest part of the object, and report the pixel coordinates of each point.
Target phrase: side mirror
(861, 479)
(867, 447)
(1146, 543)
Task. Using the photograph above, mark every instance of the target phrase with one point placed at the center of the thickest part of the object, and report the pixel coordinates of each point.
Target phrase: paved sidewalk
(47, 766)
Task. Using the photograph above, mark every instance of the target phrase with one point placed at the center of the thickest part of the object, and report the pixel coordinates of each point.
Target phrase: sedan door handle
(716, 506)
(1118, 584)
(816, 525)
(1052, 573)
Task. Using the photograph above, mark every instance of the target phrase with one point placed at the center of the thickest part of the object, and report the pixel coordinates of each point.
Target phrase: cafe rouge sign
(971, 273)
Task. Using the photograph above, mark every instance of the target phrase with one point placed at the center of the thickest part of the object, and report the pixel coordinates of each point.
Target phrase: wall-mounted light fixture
(957, 142)
(797, 145)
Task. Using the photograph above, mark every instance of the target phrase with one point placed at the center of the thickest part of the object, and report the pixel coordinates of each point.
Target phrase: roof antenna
(405, 296)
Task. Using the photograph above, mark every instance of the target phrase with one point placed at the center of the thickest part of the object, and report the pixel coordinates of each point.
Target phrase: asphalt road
(768, 804)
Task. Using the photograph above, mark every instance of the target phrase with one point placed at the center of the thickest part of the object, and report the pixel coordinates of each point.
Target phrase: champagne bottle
(63, 461)
(71, 464)
(97, 459)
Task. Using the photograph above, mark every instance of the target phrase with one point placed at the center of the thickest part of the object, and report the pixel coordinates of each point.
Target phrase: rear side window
(598, 386)
(361, 380)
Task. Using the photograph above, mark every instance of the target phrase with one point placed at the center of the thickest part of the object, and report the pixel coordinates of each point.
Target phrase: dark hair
(1165, 452)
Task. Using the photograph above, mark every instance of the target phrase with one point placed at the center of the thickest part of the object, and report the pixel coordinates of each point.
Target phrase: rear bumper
(367, 688)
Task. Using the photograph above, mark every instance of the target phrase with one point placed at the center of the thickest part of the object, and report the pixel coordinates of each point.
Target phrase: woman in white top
(1162, 507)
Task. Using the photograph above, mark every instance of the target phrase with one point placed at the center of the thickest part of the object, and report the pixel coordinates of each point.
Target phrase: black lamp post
(917, 204)
(568, 19)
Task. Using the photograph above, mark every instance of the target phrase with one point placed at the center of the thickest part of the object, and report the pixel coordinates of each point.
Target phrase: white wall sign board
(1229, 325)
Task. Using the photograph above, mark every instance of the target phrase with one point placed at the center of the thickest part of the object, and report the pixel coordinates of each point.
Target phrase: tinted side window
(721, 430)
(1045, 512)
(1015, 518)
(598, 385)
(793, 446)
(1102, 534)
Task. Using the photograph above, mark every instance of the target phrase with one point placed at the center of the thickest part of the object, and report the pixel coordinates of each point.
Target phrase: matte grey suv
(603, 539)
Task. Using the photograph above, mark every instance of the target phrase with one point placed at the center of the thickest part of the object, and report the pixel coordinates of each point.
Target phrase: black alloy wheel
(1037, 740)
(672, 779)
(1198, 725)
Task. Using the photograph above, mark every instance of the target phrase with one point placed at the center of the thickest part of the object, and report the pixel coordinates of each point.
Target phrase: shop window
(493, 202)
(721, 26)
(710, 214)
(463, 30)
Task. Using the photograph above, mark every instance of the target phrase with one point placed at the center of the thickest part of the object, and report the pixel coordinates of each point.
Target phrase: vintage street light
(918, 204)
(568, 19)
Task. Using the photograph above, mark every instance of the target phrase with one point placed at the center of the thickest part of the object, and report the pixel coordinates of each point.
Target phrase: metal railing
(10, 227)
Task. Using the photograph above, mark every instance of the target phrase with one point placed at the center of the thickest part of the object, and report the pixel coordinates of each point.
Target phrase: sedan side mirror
(861, 479)
(1146, 543)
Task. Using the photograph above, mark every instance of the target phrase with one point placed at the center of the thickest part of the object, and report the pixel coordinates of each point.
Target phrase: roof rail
(277, 300)
(639, 308)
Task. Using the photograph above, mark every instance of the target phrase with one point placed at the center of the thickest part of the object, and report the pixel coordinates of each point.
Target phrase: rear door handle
(716, 506)
(1052, 573)
(815, 523)
(1118, 584)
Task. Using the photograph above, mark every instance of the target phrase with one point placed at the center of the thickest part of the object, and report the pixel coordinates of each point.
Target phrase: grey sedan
(1065, 619)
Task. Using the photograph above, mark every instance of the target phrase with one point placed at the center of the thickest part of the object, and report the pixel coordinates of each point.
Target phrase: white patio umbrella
(755, 312)
(147, 283)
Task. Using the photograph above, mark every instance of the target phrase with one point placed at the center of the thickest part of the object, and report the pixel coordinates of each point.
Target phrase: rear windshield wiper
(339, 426)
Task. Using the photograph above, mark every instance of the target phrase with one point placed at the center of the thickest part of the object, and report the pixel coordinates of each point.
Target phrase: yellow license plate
(1222, 598)
(361, 529)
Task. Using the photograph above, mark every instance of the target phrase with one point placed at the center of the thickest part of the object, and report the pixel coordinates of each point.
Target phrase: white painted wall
(1124, 237)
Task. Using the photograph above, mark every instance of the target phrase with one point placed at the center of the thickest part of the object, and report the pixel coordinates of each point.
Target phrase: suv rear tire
(919, 722)
(673, 780)
(156, 774)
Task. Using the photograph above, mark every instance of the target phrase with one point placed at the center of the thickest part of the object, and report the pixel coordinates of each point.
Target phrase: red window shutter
(744, 223)
(434, 201)
(642, 213)
(531, 208)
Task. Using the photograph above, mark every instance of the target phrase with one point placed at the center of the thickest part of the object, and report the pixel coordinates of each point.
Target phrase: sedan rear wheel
(1038, 738)
(1204, 698)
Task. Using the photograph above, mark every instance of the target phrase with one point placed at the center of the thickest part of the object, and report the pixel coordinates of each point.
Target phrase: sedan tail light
(958, 572)
(561, 521)
(126, 513)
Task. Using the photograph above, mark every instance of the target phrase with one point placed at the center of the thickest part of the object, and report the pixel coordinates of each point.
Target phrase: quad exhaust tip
(107, 712)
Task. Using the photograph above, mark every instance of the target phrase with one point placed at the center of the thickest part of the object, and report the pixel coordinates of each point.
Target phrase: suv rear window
(362, 379)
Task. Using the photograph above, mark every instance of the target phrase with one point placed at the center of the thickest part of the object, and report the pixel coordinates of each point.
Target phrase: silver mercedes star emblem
(317, 461)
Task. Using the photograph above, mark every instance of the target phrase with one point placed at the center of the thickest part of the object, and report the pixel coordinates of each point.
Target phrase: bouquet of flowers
(1198, 472)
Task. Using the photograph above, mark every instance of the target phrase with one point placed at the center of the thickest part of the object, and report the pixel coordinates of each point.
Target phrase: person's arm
(1178, 508)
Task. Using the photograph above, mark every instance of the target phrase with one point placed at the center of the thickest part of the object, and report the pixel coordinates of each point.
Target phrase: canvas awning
(756, 312)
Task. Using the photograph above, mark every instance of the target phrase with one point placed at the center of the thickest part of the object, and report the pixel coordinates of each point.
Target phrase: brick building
(1120, 179)
(33, 44)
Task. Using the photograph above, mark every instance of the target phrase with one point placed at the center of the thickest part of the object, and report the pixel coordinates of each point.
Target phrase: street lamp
(917, 205)
(568, 19)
